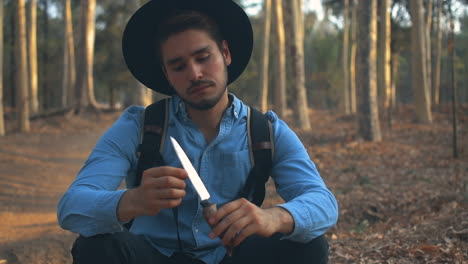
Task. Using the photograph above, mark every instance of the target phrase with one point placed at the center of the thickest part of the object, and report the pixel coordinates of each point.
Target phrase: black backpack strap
(261, 148)
(153, 133)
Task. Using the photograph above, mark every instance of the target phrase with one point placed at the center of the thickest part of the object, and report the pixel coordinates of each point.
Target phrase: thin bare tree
(345, 102)
(2, 121)
(419, 65)
(21, 74)
(143, 95)
(352, 64)
(428, 57)
(438, 55)
(385, 53)
(265, 56)
(69, 70)
(84, 80)
(369, 124)
(280, 84)
(32, 50)
(298, 90)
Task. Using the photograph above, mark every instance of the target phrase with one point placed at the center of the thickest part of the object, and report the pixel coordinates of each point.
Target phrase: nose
(195, 71)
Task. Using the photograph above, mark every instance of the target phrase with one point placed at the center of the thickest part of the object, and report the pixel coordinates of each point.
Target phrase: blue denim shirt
(89, 206)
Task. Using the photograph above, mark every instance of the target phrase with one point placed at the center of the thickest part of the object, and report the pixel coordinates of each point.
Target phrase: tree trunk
(438, 55)
(345, 102)
(298, 91)
(33, 89)
(385, 53)
(280, 87)
(352, 64)
(369, 125)
(69, 71)
(139, 94)
(395, 67)
(84, 81)
(419, 80)
(265, 57)
(47, 92)
(428, 47)
(2, 121)
(22, 102)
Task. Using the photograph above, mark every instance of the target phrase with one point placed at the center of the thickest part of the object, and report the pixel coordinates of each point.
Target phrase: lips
(198, 89)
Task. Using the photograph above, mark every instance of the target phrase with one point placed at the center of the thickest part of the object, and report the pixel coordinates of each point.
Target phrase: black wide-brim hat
(139, 49)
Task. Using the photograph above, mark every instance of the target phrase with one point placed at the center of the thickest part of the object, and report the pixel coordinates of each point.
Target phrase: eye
(203, 58)
(178, 68)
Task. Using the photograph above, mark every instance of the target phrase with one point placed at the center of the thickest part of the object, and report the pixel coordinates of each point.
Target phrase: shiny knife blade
(192, 173)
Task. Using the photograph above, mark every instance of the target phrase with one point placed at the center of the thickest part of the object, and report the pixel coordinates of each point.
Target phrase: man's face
(196, 67)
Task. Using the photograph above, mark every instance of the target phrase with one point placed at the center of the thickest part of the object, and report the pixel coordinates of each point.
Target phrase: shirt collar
(233, 109)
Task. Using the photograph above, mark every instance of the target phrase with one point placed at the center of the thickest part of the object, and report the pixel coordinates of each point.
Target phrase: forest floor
(402, 200)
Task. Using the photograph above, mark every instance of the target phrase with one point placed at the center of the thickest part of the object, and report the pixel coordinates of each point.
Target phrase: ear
(226, 53)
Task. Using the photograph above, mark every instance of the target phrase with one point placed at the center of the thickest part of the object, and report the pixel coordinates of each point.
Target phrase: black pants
(124, 247)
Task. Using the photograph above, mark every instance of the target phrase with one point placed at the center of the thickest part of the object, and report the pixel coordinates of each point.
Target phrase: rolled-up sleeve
(312, 206)
(89, 206)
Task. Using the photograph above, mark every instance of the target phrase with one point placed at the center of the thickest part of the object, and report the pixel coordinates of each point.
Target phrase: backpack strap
(261, 149)
(153, 133)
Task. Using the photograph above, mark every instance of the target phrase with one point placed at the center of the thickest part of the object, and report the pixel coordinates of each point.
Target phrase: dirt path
(35, 170)
(402, 200)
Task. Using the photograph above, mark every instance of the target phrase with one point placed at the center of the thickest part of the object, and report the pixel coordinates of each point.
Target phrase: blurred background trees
(61, 56)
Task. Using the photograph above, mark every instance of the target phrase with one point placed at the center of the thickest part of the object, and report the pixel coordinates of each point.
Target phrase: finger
(162, 182)
(154, 207)
(168, 182)
(221, 227)
(226, 210)
(169, 193)
(166, 171)
(243, 234)
(235, 229)
(168, 203)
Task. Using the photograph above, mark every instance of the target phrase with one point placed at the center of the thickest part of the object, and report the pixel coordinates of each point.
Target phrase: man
(192, 50)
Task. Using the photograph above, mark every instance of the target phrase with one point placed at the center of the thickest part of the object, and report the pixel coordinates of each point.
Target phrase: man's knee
(103, 248)
(317, 250)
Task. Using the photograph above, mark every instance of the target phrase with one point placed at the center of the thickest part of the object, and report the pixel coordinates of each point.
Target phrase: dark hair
(182, 20)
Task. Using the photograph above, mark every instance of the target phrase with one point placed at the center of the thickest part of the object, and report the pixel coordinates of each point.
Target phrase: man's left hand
(237, 220)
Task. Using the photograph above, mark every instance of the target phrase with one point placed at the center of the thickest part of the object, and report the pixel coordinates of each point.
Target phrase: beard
(207, 103)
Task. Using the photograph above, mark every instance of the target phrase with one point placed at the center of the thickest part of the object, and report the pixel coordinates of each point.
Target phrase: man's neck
(208, 120)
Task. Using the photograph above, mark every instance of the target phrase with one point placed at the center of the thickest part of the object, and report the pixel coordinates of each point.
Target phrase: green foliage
(322, 65)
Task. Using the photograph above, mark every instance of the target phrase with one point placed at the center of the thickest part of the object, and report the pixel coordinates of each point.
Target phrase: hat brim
(138, 39)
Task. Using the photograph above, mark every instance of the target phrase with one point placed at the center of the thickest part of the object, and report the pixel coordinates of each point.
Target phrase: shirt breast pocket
(235, 168)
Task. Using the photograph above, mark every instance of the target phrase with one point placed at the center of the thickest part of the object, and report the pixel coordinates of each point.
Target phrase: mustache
(198, 83)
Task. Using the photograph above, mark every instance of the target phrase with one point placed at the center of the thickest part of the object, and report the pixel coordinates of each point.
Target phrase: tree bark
(2, 121)
(84, 81)
(298, 91)
(47, 92)
(22, 99)
(69, 70)
(369, 125)
(438, 55)
(395, 67)
(419, 80)
(265, 56)
(143, 95)
(280, 87)
(428, 48)
(33, 88)
(352, 64)
(385, 53)
(345, 102)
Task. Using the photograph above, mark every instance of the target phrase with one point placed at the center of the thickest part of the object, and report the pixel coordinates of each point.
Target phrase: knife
(209, 208)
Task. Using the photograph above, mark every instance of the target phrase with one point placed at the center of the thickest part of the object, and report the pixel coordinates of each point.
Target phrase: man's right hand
(160, 188)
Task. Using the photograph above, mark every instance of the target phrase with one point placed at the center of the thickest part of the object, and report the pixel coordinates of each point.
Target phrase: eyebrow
(178, 59)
